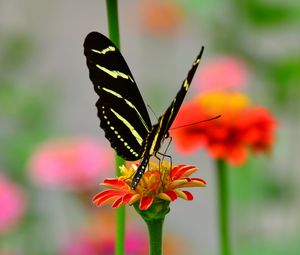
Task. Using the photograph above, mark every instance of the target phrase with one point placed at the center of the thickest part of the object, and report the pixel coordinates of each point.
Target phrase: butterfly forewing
(158, 132)
(169, 116)
(117, 132)
(125, 119)
(160, 129)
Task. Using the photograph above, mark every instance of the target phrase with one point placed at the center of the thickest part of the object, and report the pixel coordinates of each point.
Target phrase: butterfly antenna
(152, 111)
(195, 123)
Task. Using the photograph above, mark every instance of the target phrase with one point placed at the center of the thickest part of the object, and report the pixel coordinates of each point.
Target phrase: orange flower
(241, 127)
(163, 183)
(160, 17)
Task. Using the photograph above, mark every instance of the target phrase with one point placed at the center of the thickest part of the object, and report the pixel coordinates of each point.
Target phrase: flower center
(222, 101)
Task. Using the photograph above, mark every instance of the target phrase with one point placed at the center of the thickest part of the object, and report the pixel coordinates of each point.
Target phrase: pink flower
(11, 203)
(81, 246)
(225, 73)
(74, 163)
(136, 244)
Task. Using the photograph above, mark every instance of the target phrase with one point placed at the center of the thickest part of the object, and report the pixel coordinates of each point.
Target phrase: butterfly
(121, 108)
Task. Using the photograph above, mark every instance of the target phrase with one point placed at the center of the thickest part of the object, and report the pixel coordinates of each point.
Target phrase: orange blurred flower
(241, 127)
(164, 183)
(71, 163)
(160, 17)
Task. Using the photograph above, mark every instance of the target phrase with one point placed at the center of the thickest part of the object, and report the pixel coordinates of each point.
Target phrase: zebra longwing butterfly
(121, 108)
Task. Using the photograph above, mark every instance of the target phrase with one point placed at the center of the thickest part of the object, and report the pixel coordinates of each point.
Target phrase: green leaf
(268, 14)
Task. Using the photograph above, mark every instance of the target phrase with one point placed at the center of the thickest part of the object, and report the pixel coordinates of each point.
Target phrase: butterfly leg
(139, 172)
(158, 159)
(164, 154)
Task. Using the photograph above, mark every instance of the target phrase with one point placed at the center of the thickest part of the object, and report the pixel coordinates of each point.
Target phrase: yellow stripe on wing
(114, 73)
(186, 85)
(127, 102)
(131, 128)
(104, 51)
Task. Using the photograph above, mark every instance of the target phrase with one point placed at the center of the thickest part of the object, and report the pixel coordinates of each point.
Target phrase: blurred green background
(45, 93)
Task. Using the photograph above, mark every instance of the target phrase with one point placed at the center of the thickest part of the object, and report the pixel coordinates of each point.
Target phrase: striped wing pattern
(160, 130)
(169, 116)
(121, 109)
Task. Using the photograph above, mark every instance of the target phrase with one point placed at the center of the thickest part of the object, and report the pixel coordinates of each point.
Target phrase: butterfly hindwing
(126, 121)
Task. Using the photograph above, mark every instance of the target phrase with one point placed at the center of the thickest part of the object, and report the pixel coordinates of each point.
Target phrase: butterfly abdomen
(139, 172)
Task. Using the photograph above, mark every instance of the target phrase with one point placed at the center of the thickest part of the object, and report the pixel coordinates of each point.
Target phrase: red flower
(163, 183)
(241, 127)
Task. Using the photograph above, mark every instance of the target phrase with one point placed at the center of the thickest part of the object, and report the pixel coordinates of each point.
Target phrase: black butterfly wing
(167, 119)
(121, 109)
(158, 132)
(169, 116)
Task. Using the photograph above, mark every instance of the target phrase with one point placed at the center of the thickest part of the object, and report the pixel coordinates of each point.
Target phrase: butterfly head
(167, 135)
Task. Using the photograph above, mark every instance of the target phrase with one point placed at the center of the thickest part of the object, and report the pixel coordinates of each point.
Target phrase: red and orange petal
(234, 154)
(241, 127)
(172, 195)
(169, 195)
(116, 184)
(182, 171)
(191, 138)
(146, 202)
(163, 184)
(260, 131)
(184, 194)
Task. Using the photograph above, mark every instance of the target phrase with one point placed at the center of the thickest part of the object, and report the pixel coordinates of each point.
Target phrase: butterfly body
(121, 108)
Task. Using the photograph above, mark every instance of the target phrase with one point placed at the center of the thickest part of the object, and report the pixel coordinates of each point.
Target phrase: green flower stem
(154, 218)
(120, 218)
(155, 236)
(113, 21)
(223, 207)
(114, 35)
(120, 231)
